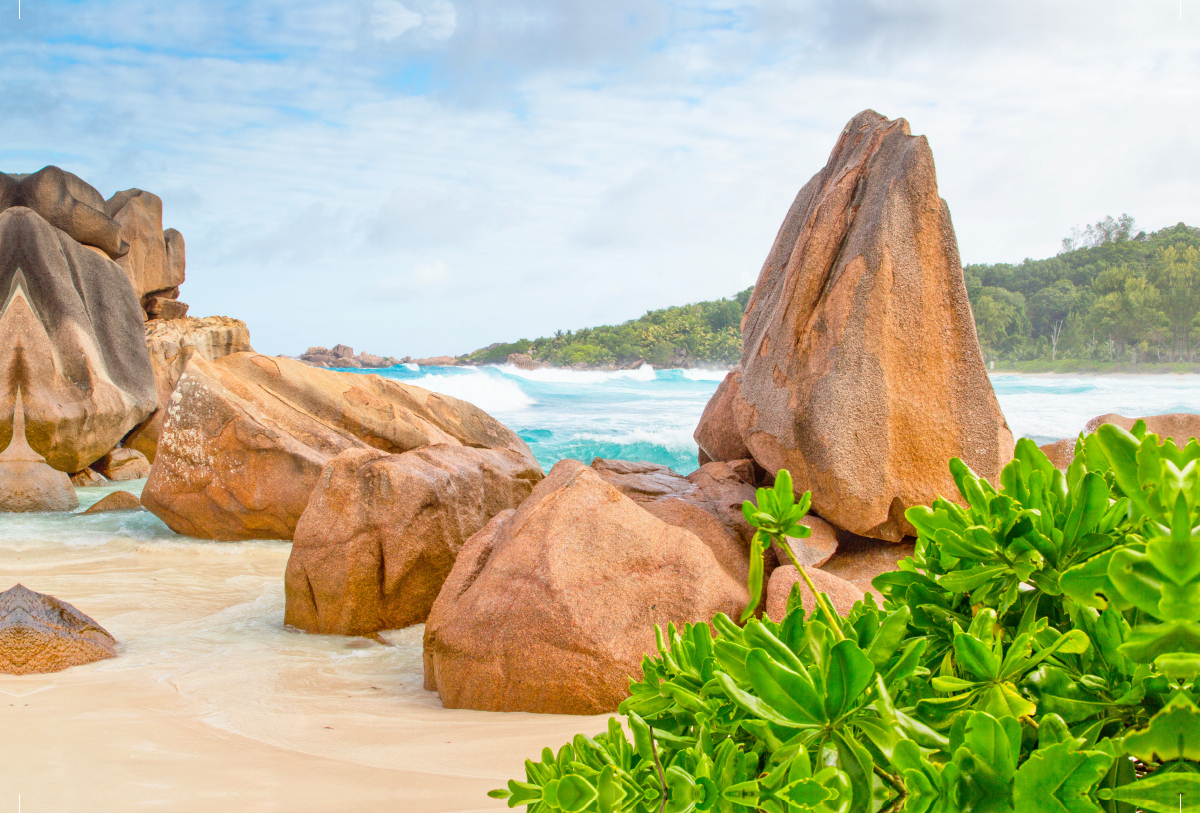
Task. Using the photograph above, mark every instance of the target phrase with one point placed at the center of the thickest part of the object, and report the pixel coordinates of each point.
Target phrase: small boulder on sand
(117, 501)
(381, 532)
(39, 633)
(551, 607)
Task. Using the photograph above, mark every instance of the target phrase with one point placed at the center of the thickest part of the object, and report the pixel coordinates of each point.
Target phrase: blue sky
(429, 176)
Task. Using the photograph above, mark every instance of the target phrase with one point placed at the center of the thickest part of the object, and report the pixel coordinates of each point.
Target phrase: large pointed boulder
(861, 371)
(27, 482)
(39, 633)
(71, 338)
(246, 437)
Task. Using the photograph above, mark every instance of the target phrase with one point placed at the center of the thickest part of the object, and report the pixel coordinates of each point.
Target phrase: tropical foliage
(1038, 653)
(1110, 295)
(678, 336)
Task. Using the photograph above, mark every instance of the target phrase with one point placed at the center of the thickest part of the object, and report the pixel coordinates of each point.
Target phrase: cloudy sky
(430, 176)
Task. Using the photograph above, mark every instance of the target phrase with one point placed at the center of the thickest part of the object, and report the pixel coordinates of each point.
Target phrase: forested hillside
(1109, 295)
(684, 335)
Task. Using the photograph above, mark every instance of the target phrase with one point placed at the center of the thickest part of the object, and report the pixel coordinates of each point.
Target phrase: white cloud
(390, 19)
(436, 20)
(560, 164)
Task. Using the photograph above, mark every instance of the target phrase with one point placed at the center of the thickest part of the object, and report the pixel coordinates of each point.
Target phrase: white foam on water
(676, 439)
(413, 367)
(557, 375)
(1050, 407)
(488, 392)
(705, 375)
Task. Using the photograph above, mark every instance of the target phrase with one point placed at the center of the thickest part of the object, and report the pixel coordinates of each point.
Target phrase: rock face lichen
(39, 633)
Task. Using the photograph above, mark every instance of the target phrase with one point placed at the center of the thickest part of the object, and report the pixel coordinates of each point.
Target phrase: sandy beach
(213, 705)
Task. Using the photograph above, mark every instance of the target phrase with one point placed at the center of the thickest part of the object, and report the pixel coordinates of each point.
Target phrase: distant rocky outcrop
(39, 633)
(433, 361)
(343, 356)
(247, 436)
(551, 607)
(861, 371)
(381, 532)
(70, 334)
(522, 361)
(27, 482)
(170, 344)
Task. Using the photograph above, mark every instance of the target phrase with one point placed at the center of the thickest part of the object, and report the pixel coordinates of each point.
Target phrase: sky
(431, 176)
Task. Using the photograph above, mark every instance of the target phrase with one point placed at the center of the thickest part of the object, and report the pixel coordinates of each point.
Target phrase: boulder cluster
(343, 356)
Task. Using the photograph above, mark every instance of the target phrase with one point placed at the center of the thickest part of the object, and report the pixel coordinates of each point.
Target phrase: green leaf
(1161, 793)
(847, 676)
(783, 690)
(1173, 733)
(1060, 779)
(755, 577)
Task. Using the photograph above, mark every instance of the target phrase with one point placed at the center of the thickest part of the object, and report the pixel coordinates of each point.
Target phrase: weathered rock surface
(68, 204)
(859, 559)
(27, 482)
(708, 502)
(117, 501)
(85, 478)
(717, 433)
(551, 607)
(842, 594)
(170, 344)
(71, 340)
(1178, 425)
(39, 633)
(1060, 453)
(139, 215)
(123, 464)
(246, 437)
(437, 361)
(522, 361)
(861, 370)
(381, 532)
(815, 549)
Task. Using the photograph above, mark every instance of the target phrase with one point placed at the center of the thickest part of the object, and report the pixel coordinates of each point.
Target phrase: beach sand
(212, 705)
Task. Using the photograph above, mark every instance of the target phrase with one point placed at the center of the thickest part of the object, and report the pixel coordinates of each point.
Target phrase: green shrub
(1039, 652)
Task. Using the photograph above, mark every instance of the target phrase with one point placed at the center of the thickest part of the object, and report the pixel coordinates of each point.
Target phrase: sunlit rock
(27, 482)
(39, 633)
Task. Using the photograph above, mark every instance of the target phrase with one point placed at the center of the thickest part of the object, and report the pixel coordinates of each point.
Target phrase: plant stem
(897, 785)
(662, 779)
(830, 615)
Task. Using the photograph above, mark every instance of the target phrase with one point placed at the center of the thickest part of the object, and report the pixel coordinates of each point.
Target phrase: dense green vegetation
(680, 336)
(1111, 299)
(1109, 296)
(1039, 653)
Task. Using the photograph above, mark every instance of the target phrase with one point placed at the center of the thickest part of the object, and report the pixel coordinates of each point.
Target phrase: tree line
(680, 336)
(1109, 295)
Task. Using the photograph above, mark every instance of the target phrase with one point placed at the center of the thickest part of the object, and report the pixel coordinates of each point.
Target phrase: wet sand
(212, 705)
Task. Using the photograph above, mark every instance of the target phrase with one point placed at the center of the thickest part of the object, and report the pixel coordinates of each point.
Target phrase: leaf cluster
(1040, 651)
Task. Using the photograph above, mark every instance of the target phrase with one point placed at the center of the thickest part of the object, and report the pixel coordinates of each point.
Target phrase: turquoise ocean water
(650, 414)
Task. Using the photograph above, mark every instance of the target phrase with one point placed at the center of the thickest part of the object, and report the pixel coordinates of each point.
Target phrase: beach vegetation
(701, 333)
(1111, 296)
(1039, 652)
